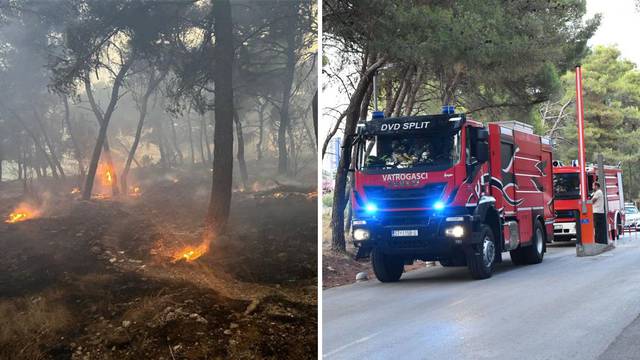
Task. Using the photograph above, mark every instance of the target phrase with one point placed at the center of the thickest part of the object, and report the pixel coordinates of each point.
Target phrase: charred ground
(97, 279)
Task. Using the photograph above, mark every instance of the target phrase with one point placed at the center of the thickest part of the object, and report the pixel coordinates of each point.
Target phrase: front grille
(423, 197)
(566, 214)
(405, 218)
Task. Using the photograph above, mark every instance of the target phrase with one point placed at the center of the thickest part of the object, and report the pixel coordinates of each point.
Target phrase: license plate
(400, 233)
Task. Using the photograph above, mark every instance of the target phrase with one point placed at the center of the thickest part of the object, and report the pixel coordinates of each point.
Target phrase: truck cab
(566, 184)
(446, 188)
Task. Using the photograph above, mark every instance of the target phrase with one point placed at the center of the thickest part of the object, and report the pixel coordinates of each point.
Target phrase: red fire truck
(447, 188)
(566, 185)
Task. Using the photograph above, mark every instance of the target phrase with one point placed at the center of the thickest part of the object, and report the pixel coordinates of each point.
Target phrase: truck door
(507, 160)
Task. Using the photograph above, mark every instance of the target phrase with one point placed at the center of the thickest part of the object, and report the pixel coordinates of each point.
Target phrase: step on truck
(566, 186)
(449, 189)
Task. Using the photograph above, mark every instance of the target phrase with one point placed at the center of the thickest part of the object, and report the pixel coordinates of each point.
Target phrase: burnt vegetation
(157, 179)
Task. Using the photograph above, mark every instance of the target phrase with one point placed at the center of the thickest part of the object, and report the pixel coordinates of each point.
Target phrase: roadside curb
(592, 249)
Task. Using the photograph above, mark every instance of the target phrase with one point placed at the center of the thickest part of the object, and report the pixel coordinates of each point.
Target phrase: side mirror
(483, 134)
(482, 151)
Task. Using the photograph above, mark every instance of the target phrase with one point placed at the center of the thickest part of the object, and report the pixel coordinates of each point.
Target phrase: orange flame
(191, 253)
(21, 213)
(135, 191)
(106, 175)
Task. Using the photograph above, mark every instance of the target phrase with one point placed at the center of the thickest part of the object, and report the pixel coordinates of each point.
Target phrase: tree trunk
(38, 146)
(191, 150)
(403, 93)
(201, 142)
(136, 140)
(102, 134)
(174, 138)
(339, 194)
(260, 130)
(240, 151)
(205, 126)
(286, 93)
(293, 166)
(49, 143)
(220, 202)
(392, 104)
(411, 100)
(161, 144)
(76, 147)
(314, 108)
(364, 107)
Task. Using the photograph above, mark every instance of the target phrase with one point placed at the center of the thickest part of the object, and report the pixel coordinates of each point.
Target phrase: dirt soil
(341, 269)
(98, 279)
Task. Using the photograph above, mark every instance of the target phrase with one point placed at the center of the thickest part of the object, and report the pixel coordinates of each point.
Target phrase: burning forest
(154, 205)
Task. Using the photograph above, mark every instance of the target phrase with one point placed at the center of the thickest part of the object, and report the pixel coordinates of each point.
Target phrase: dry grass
(34, 321)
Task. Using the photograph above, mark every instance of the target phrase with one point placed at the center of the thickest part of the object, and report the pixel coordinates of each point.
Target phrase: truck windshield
(630, 210)
(406, 152)
(566, 186)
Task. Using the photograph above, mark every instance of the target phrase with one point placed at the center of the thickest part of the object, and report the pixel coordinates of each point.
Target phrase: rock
(227, 332)
(96, 250)
(252, 306)
(233, 326)
(362, 276)
(126, 324)
(112, 260)
(171, 316)
(198, 318)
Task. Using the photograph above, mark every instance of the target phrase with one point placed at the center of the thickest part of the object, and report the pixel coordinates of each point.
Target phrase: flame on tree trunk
(102, 134)
(220, 202)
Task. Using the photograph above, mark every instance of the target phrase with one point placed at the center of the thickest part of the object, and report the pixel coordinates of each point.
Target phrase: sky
(620, 26)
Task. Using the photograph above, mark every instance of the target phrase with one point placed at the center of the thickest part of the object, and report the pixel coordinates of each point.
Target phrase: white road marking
(343, 347)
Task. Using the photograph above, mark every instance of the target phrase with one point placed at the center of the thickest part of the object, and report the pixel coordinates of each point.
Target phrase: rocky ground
(100, 280)
(342, 269)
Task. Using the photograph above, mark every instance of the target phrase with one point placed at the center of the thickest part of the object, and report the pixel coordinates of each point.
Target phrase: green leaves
(611, 87)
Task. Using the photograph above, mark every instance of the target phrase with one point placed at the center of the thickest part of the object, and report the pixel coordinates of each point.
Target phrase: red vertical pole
(581, 156)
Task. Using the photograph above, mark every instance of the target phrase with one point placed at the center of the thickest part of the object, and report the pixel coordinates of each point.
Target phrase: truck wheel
(517, 257)
(481, 261)
(388, 268)
(534, 253)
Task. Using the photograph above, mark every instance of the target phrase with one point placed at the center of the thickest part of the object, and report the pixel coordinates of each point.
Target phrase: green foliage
(498, 56)
(611, 88)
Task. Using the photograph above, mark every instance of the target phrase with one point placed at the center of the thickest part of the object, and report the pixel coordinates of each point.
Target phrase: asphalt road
(564, 308)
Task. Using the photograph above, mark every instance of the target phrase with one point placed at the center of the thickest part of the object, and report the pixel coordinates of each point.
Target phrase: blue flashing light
(448, 109)
(378, 115)
(439, 205)
(371, 208)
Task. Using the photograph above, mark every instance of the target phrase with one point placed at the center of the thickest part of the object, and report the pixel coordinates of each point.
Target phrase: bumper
(632, 224)
(426, 239)
(564, 229)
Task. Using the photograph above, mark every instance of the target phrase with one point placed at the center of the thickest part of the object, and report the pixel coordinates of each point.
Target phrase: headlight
(455, 231)
(361, 234)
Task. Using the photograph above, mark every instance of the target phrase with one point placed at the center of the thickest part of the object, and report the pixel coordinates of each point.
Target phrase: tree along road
(564, 308)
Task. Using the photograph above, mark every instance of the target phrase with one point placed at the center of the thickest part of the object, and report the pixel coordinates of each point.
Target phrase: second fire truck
(566, 185)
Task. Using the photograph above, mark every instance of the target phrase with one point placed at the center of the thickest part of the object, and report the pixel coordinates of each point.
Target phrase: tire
(534, 253)
(388, 268)
(517, 257)
(481, 260)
